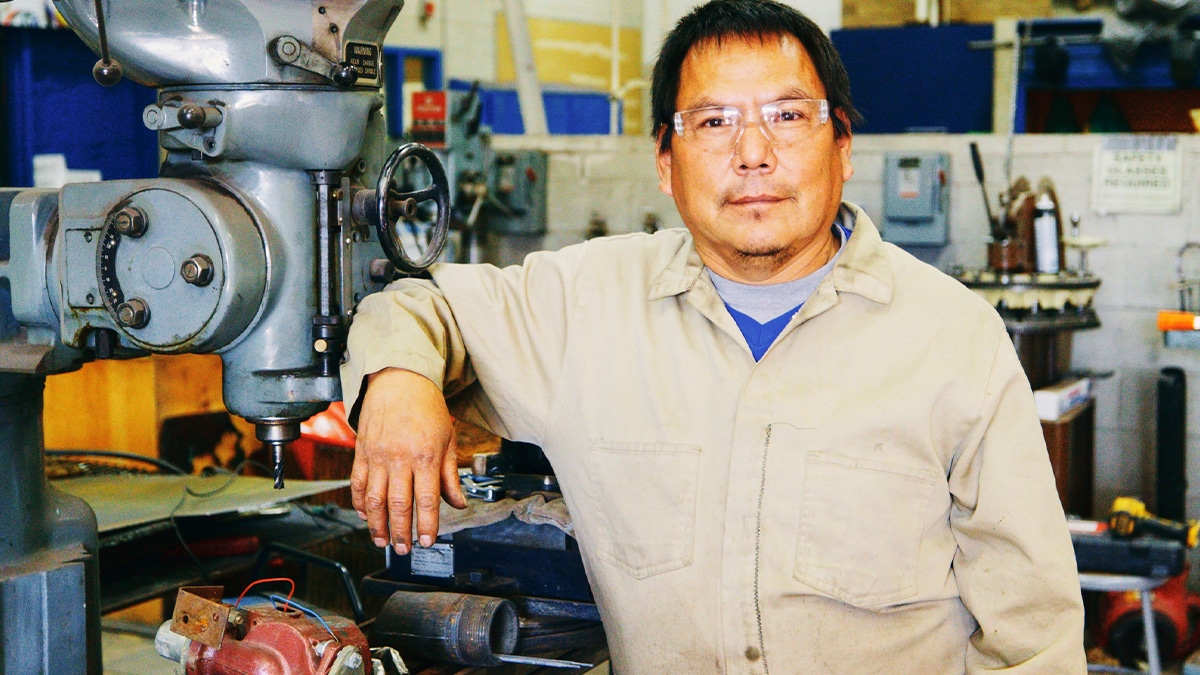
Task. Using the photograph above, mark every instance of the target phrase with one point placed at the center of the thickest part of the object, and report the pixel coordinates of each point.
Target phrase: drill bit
(277, 458)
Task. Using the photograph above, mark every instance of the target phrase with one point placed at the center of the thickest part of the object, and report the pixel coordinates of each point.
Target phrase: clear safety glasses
(782, 123)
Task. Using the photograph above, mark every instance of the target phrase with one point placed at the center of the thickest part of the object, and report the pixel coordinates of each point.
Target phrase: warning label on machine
(365, 58)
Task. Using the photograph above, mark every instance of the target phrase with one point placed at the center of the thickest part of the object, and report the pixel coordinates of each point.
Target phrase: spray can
(1045, 235)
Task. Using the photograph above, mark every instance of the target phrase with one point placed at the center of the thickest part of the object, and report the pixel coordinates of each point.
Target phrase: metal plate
(435, 561)
(125, 501)
(200, 615)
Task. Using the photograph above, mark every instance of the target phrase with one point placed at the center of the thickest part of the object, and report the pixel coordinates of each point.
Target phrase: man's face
(758, 213)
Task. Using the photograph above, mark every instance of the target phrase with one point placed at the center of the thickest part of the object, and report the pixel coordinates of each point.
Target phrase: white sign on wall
(1137, 174)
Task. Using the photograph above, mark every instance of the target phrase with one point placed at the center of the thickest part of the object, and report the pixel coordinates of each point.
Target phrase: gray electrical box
(916, 198)
(518, 185)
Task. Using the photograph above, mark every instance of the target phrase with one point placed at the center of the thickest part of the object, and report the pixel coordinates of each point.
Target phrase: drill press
(274, 213)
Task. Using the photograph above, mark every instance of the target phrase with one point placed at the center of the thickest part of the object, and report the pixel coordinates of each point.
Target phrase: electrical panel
(916, 198)
(518, 184)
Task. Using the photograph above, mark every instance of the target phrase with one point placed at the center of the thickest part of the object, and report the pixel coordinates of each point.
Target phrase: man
(786, 446)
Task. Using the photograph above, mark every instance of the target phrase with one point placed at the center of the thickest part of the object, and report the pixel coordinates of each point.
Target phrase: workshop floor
(126, 654)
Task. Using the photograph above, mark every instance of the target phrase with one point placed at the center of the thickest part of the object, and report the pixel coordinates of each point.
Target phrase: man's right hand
(404, 459)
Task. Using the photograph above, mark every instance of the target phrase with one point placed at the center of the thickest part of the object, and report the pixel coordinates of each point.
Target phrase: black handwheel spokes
(392, 205)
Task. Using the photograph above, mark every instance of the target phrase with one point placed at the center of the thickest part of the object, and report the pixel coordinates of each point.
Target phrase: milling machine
(274, 213)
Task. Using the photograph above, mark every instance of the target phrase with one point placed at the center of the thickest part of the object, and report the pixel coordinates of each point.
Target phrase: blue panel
(567, 112)
(393, 81)
(49, 103)
(919, 78)
(501, 111)
(1088, 67)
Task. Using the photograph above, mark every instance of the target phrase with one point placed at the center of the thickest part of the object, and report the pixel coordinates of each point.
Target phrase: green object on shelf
(1061, 118)
(1107, 118)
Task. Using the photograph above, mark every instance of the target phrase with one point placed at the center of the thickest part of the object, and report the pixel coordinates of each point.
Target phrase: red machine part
(326, 428)
(1176, 616)
(282, 643)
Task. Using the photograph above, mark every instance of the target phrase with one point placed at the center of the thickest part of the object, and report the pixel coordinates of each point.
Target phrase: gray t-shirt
(766, 302)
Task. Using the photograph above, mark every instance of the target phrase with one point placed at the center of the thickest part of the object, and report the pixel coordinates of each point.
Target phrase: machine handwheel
(391, 205)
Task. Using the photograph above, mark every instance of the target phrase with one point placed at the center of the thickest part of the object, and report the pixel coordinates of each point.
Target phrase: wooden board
(987, 11)
(1070, 440)
(120, 405)
(876, 13)
(107, 405)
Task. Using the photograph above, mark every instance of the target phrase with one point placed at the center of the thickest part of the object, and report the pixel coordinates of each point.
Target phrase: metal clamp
(487, 489)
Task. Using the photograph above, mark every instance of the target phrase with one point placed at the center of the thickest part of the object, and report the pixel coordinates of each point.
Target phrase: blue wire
(302, 608)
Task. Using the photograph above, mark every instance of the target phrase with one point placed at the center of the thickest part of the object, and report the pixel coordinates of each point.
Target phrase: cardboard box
(1053, 401)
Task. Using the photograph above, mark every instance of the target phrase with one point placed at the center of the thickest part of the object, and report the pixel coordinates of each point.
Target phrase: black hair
(719, 19)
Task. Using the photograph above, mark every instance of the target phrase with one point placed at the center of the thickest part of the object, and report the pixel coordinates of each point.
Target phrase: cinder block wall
(613, 177)
(616, 178)
(1137, 270)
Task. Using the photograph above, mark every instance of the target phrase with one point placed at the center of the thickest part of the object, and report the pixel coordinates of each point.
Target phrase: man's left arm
(1015, 566)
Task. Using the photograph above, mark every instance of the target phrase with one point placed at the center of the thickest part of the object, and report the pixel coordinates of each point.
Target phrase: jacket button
(752, 654)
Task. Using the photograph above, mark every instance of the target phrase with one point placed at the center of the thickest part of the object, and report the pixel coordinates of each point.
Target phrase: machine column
(49, 578)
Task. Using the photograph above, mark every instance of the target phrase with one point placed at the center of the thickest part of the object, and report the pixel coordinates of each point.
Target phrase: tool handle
(977, 161)
(1170, 320)
(987, 204)
(1124, 525)
(1167, 530)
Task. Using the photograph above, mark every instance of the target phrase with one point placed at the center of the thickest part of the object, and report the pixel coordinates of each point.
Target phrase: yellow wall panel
(579, 55)
(987, 11)
(871, 13)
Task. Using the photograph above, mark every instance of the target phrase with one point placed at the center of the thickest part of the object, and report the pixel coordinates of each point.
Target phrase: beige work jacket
(873, 496)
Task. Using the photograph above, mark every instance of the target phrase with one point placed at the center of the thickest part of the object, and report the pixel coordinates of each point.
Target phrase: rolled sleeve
(505, 329)
(408, 325)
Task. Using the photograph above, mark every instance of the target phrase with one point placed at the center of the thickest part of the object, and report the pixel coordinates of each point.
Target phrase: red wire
(263, 581)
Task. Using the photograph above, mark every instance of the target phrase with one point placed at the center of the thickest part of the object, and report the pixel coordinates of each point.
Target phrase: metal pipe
(469, 630)
(1012, 116)
(529, 93)
(614, 101)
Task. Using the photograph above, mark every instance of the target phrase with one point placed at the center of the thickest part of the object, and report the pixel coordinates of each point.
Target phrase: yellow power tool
(1129, 518)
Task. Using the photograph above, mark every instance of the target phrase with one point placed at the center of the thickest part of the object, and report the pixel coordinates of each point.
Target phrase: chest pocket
(645, 495)
(860, 528)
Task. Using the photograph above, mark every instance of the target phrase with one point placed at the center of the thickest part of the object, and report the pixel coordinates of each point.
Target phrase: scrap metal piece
(387, 661)
(200, 615)
(539, 661)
